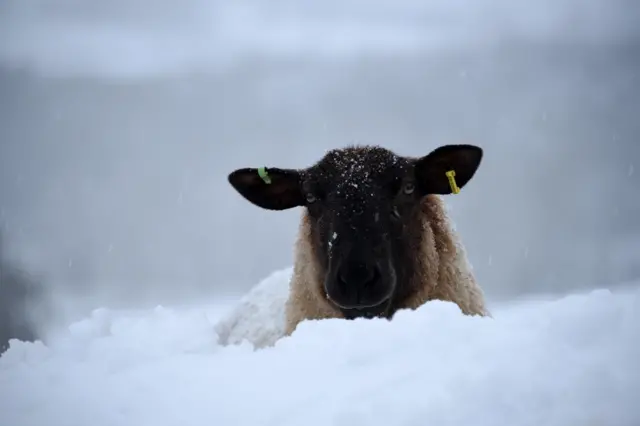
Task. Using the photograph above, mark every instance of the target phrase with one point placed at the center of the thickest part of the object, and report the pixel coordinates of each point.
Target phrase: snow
(568, 361)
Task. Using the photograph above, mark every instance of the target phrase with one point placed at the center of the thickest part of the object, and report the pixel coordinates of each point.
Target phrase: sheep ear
(269, 188)
(431, 170)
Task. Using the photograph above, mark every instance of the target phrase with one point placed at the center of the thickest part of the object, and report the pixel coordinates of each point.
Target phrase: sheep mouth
(369, 312)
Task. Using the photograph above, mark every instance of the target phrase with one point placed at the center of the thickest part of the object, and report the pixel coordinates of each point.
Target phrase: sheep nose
(358, 284)
(357, 274)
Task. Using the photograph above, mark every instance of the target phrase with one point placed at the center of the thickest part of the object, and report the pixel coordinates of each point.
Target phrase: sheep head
(363, 204)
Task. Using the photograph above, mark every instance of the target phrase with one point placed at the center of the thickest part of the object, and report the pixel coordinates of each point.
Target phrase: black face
(359, 200)
(364, 206)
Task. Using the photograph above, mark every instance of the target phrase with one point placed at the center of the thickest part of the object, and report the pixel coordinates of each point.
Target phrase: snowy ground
(566, 362)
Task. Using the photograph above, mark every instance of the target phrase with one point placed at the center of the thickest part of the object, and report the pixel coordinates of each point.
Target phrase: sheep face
(363, 205)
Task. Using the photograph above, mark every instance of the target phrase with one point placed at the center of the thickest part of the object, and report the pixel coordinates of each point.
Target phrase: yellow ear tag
(451, 174)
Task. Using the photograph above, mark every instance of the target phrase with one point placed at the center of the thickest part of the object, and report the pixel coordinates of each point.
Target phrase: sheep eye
(395, 213)
(408, 188)
(311, 198)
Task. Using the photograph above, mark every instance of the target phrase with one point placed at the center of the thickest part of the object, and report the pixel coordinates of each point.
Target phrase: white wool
(259, 317)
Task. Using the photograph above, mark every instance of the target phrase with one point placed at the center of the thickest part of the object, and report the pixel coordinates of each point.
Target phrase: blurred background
(119, 122)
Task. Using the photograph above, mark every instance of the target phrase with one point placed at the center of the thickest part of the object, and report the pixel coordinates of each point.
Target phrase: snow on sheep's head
(363, 205)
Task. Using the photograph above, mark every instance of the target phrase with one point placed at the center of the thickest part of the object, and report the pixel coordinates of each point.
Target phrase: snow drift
(571, 361)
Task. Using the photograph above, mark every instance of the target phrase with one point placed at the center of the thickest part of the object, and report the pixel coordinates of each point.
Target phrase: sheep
(374, 235)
